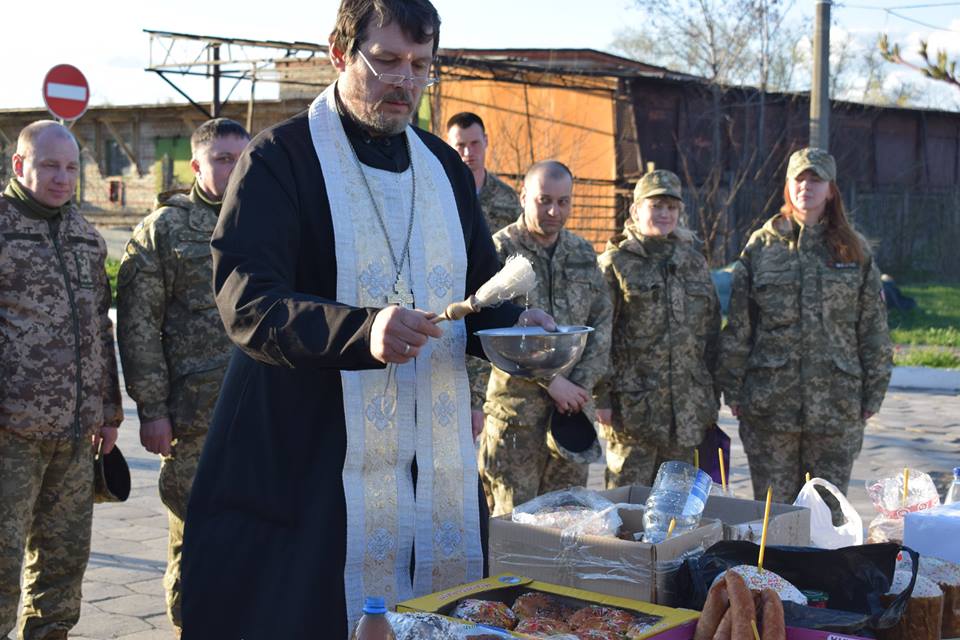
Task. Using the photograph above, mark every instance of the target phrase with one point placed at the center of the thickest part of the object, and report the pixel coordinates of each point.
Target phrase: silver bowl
(532, 352)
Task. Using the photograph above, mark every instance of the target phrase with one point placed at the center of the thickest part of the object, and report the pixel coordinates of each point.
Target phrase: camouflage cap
(817, 160)
(658, 183)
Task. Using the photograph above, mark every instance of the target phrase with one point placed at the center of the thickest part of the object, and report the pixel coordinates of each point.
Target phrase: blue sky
(107, 43)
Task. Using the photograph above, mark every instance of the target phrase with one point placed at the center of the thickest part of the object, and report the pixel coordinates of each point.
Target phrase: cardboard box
(611, 566)
(507, 587)
(934, 532)
(742, 519)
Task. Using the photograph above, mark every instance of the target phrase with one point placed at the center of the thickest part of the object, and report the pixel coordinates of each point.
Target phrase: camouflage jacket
(58, 372)
(172, 343)
(569, 287)
(806, 346)
(500, 204)
(666, 332)
(501, 207)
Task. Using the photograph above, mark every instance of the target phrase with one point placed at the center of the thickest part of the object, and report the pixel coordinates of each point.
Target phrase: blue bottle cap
(374, 605)
(956, 472)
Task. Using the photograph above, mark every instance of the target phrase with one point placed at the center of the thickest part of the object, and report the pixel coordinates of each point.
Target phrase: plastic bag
(854, 578)
(575, 511)
(892, 506)
(823, 533)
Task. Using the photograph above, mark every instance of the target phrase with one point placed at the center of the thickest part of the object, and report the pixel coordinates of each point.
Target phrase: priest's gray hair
(418, 19)
(31, 133)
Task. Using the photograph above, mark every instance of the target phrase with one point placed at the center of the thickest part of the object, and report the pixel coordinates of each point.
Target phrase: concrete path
(123, 592)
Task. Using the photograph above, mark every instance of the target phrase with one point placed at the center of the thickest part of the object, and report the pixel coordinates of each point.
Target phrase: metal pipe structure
(820, 84)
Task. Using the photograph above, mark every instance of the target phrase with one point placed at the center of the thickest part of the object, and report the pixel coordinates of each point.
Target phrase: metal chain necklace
(402, 293)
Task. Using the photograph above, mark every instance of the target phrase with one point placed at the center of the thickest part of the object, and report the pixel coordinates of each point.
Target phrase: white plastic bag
(823, 533)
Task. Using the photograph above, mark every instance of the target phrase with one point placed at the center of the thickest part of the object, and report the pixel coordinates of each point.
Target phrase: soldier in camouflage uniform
(666, 327)
(173, 347)
(58, 384)
(805, 355)
(466, 133)
(515, 461)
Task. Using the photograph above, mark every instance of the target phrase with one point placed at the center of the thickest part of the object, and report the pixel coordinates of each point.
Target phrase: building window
(116, 160)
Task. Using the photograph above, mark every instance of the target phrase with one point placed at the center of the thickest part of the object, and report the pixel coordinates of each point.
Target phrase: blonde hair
(681, 232)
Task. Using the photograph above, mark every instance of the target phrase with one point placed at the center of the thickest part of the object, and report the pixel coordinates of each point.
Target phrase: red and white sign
(66, 92)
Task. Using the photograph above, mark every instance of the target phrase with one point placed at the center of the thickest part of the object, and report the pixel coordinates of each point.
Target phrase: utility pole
(820, 86)
(215, 103)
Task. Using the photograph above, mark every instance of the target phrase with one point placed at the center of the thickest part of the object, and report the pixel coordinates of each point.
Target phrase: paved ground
(123, 593)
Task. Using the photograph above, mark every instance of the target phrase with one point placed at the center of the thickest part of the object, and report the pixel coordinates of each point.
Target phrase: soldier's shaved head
(31, 134)
(552, 169)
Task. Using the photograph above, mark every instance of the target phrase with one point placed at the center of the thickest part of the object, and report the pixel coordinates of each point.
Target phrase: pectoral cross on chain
(402, 295)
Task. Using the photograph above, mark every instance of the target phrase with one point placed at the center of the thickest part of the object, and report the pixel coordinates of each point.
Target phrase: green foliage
(112, 267)
(927, 357)
(935, 321)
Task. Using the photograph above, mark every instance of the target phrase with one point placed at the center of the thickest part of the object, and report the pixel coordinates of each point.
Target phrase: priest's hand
(537, 318)
(398, 334)
(156, 436)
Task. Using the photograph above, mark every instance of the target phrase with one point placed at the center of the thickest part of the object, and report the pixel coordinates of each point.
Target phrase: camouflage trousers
(781, 459)
(176, 477)
(516, 465)
(630, 463)
(46, 511)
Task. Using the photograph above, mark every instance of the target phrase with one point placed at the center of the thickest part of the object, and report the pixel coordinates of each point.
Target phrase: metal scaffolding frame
(219, 58)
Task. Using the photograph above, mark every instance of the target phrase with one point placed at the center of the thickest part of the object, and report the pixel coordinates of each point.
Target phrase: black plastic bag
(853, 577)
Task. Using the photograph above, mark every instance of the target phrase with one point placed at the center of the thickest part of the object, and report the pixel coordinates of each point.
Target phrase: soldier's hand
(398, 334)
(568, 397)
(537, 318)
(476, 423)
(157, 435)
(605, 416)
(868, 414)
(109, 437)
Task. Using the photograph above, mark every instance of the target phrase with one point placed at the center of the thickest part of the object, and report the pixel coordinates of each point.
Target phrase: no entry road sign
(66, 92)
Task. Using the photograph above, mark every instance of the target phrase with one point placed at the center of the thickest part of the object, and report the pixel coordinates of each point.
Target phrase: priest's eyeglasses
(397, 79)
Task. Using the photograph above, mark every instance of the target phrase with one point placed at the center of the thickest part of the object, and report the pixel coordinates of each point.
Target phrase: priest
(339, 463)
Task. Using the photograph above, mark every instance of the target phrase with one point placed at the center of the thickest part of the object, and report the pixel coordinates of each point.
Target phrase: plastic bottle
(373, 624)
(953, 493)
(679, 493)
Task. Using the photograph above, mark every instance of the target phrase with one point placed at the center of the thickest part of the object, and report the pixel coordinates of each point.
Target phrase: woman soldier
(666, 325)
(805, 356)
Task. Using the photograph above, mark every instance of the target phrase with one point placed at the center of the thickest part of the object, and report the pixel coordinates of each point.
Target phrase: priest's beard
(374, 120)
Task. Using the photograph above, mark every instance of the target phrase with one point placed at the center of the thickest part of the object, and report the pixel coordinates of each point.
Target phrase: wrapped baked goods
(541, 627)
(758, 580)
(489, 612)
(597, 634)
(601, 619)
(642, 623)
(947, 576)
(540, 605)
(923, 615)
(892, 505)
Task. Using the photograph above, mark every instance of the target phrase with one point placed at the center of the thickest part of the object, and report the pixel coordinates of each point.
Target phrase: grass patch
(112, 267)
(935, 321)
(927, 357)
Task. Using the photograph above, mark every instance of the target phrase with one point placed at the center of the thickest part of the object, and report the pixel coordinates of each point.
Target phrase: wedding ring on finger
(406, 348)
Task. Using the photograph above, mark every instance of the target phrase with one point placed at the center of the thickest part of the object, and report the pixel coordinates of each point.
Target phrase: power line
(896, 8)
(892, 11)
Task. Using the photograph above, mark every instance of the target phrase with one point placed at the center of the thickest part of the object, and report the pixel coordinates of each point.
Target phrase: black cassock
(265, 538)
